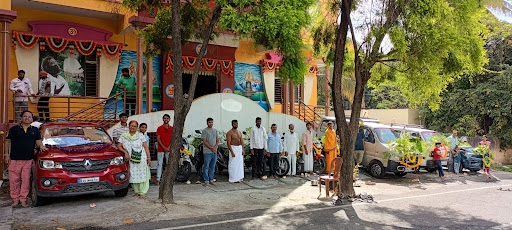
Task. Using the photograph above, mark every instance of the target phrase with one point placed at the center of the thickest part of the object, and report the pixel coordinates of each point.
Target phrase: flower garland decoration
(487, 155)
(410, 151)
(80, 149)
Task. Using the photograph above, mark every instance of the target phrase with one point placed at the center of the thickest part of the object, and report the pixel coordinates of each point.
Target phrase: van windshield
(385, 135)
(427, 135)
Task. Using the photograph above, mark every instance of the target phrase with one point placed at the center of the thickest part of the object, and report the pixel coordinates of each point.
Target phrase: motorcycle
(283, 163)
(185, 163)
(222, 157)
(319, 163)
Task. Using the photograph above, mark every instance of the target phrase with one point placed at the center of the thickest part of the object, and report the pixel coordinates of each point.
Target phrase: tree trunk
(182, 103)
(347, 142)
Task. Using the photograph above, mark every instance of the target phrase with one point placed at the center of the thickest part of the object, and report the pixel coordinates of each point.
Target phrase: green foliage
(273, 24)
(502, 168)
(441, 139)
(483, 149)
(480, 104)
(406, 145)
(387, 96)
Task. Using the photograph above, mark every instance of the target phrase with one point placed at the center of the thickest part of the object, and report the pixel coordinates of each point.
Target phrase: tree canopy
(480, 104)
(423, 45)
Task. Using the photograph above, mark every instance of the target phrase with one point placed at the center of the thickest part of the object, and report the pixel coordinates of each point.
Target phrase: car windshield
(75, 136)
(385, 135)
(428, 135)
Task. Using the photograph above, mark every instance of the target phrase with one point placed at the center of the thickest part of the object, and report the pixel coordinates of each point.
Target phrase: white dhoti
(308, 162)
(236, 164)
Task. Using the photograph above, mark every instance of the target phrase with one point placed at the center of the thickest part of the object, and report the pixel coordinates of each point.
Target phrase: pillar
(6, 17)
(292, 98)
(149, 85)
(139, 22)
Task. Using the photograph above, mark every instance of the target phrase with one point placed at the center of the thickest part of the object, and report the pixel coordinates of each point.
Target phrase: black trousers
(130, 105)
(43, 108)
(274, 163)
(258, 169)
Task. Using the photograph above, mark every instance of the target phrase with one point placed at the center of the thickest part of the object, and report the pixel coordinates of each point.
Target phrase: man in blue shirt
(274, 149)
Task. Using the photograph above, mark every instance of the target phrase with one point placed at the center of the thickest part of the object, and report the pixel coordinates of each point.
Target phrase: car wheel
(121, 192)
(184, 172)
(283, 166)
(400, 173)
(376, 169)
(36, 200)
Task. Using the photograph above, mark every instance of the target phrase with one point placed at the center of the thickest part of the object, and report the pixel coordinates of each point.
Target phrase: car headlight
(117, 161)
(48, 164)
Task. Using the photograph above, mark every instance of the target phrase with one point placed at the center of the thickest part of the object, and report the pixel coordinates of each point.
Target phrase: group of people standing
(132, 139)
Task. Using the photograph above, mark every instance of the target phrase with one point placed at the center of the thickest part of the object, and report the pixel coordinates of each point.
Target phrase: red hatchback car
(80, 159)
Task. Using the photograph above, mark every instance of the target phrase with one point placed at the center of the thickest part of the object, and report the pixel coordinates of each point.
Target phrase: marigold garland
(80, 149)
(487, 162)
(406, 164)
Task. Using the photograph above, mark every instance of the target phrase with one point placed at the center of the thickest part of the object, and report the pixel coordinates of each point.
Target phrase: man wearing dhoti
(236, 154)
(291, 147)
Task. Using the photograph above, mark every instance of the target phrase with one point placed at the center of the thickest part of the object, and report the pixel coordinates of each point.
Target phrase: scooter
(319, 163)
(283, 165)
(185, 164)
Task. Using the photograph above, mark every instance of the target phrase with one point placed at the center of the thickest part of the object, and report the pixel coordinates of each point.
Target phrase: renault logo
(87, 164)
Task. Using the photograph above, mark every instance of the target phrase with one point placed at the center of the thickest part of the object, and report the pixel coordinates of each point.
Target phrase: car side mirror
(198, 131)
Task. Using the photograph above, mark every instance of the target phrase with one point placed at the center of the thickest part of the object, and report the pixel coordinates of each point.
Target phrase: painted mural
(65, 70)
(129, 61)
(249, 83)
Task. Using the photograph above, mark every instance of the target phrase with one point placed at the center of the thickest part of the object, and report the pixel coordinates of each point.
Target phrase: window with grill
(278, 91)
(91, 73)
(297, 93)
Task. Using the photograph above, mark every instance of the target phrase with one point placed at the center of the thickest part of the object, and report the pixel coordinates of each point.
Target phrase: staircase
(307, 113)
(104, 112)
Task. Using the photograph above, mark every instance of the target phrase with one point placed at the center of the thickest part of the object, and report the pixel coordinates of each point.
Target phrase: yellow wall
(26, 15)
(5, 4)
(247, 53)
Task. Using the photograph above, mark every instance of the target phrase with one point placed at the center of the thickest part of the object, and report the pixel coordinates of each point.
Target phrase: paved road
(468, 202)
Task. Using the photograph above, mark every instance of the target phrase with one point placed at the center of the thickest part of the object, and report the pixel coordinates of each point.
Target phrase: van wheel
(376, 169)
(400, 173)
(36, 200)
(121, 192)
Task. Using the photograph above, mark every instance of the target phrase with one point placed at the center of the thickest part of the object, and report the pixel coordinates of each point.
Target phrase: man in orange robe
(330, 146)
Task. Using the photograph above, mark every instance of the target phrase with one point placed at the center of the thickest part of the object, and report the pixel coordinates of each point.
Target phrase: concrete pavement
(255, 201)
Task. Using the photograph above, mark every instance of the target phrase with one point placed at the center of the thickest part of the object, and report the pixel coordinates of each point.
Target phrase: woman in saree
(133, 145)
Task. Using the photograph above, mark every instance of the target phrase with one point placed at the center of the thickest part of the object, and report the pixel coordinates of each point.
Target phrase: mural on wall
(129, 61)
(249, 83)
(66, 71)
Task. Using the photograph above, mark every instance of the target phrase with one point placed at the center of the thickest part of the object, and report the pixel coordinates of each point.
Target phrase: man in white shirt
(291, 147)
(22, 88)
(258, 145)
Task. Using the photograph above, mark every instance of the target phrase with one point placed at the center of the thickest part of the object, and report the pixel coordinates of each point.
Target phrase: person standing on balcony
(291, 147)
(22, 88)
(121, 128)
(307, 145)
(23, 139)
(258, 144)
(128, 84)
(330, 146)
(164, 137)
(45, 91)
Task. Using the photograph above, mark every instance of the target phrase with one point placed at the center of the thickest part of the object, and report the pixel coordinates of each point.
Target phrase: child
(487, 156)
(437, 159)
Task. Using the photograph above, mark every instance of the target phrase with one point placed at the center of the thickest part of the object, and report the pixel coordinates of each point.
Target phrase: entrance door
(205, 85)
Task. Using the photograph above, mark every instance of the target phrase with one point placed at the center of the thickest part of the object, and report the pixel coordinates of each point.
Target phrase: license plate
(88, 180)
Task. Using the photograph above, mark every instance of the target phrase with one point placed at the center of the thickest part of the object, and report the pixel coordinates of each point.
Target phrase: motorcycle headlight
(48, 164)
(117, 161)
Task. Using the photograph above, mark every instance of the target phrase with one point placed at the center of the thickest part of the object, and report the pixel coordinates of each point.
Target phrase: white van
(425, 135)
(377, 138)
